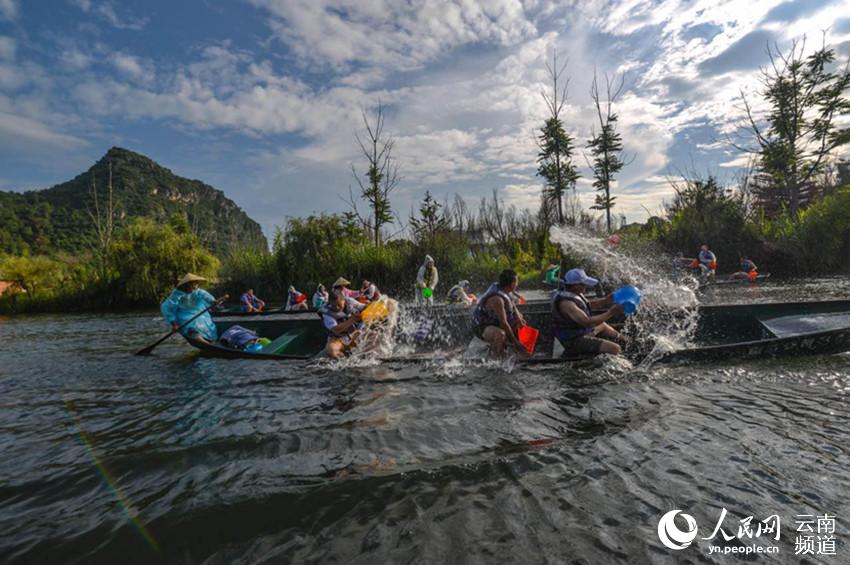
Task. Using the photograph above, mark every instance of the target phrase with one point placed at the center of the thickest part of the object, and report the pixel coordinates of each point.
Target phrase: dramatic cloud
(268, 109)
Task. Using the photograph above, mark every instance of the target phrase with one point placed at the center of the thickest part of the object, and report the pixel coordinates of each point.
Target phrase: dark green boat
(723, 332)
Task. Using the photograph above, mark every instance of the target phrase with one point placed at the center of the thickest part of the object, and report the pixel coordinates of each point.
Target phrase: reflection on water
(228, 460)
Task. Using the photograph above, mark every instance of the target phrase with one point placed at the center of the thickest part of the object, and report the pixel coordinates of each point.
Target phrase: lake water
(108, 457)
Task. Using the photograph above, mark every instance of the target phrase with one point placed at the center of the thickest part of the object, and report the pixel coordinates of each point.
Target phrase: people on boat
(496, 318)
(295, 301)
(460, 294)
(320, 297)
(343, 285)
(249, 303)
(574, 324)
(747, 270)
(187, 300)
(342, 321)
(707, 262)
(369, 292)
(426, 281)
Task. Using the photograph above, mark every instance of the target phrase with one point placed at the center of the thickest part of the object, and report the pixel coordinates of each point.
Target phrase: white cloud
(132, 67)
(106, 11)
(9, 9)
(28, 131)
(7, 48)
(396, 35)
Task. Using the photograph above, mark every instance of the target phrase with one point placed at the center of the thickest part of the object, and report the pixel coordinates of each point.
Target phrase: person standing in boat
(186, 301)
(342, 321)
(369, 292)
(575, 326)
(250, 303)
(707, 262)
(320, 297)
(497, 318)
(296, 301)
(426, 281)
(459, 294)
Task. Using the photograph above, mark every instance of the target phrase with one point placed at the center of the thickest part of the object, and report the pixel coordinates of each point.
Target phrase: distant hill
(56, 219)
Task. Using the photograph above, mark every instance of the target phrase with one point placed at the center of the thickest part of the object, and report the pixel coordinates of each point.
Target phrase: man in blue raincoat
(185, 301)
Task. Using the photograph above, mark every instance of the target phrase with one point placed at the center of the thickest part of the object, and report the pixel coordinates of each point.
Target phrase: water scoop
(527, 336)
(375, 311)
(629, 297)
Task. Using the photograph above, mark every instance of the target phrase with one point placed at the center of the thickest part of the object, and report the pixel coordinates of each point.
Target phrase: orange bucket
(527, 336)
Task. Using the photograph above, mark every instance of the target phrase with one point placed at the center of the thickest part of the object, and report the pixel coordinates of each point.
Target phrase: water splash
(668, 315)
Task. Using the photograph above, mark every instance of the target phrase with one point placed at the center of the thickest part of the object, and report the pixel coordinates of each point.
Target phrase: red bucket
(527, 336)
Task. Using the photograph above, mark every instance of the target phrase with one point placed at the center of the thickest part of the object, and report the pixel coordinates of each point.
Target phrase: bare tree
(606, 145)
(381, 176)
(556, 146)
(101, 210)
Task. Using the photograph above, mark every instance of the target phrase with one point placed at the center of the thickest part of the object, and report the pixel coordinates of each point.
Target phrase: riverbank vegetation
(789, 212)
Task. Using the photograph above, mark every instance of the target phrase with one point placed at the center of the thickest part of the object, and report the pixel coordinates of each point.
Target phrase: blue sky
(261, 98)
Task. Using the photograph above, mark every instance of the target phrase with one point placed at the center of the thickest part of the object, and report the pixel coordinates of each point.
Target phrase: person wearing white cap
(575, 326)
(426, 278)
(186, 301)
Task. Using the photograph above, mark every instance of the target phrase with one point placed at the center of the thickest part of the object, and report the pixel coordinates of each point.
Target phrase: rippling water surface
(109, 457)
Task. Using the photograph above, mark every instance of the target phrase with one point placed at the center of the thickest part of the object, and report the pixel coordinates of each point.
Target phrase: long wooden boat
(723, 332)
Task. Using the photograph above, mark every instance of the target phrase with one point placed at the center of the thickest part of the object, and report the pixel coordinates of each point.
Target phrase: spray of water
(668, 315)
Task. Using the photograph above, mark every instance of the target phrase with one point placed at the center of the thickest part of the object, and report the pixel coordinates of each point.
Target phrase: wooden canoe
(723, 332)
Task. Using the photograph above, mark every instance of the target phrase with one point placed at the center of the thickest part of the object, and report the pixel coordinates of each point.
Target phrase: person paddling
(186, 301)
(497, 318)
(250, 303)
(575, 326)
(341, 318)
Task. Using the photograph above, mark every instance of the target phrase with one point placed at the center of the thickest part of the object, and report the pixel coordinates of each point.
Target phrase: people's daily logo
(670, 534)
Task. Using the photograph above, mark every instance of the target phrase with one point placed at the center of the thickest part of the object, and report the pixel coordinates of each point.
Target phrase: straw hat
(341, 282)
(190, 277)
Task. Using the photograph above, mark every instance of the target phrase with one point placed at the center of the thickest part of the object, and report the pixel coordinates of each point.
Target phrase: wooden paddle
(147, 350)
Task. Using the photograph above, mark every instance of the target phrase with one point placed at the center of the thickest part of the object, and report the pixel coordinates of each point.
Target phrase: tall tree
(554, 160)
(381, 176)
(430, 221)
(606, 145)
(101, 210)
(806, 100)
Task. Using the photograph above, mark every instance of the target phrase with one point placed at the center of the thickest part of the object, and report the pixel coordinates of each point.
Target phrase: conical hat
(190, 277)
(342, 282)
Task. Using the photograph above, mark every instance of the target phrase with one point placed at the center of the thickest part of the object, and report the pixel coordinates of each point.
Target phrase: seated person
(296, 301)
(707, 262)
(186, 301)
(369, 292)
(459, 294)
(496, 317)
(341, 318)
(749, 270)
(250, 303)
(343, 285)
(578, 330)
(320, 297)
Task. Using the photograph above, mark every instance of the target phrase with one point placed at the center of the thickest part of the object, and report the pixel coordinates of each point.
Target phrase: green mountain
(57, 218)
